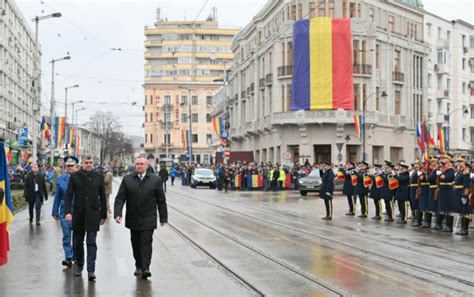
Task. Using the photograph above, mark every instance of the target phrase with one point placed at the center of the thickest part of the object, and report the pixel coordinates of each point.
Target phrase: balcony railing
(285, 70)
(165, 144)
(364, 69)
(269, 79)
(261, 83)
(398, 76)
(165, 123)
(243, 94)
(252, 88)
(167, 106)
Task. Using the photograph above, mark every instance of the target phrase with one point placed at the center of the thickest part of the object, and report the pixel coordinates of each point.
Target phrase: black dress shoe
(146, 274)
(388, 220)
(38, 223)
(67, 263)
(77, 270)
(327, 218)
(138, 272)
(401, 222)
(350, 213)
(361, 216)
(91, 276)
(376, 218)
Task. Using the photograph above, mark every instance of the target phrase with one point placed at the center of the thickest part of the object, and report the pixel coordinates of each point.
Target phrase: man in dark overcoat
(86, 207)
(143, 194)
(35, 192)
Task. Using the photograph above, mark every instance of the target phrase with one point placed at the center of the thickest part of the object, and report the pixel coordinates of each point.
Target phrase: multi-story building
(389, 55)
(184, 61)
(19, 107)
(89, 143)
(451, 80)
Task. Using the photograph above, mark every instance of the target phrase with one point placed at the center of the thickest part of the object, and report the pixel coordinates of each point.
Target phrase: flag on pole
(78, 137)
(322, 65)
(71, 138)
(442, 139)
(45, 129)
(218, 124)
(8, 154)
(6, 206)
(59, 129)
(185, 139)
(427, 139)
(358, 122)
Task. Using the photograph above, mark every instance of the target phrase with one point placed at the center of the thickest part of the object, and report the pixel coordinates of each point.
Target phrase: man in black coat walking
(89, 210)
(35, 191)
(142, 192)
(163, 173)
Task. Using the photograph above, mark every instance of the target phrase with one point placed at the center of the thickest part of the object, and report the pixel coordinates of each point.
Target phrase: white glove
(472, 175)
(420, 173)
(464, 200)
(438, 172)
(329, 194)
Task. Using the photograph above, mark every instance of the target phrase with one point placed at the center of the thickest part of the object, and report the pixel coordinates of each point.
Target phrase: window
(184, 118)
(352, 10)
(448, 36)
(398, 100)
(464, 88)
(151, 99)
(194, 117)
(208, 138)
(377, 99)
(151, 138)
(208, 117)
(397, 60)
(356, 55)
(167, 117)
(439, 32)
(146, 101)
(356, 97)
(344, 8)
(293, 12)
(463, 63)
(391, 23)
(146, 117)
(151, 117)
(430, 78)
(428, 29)
(146, 138)
(377, 56)
(331, 8)
(322, 8)
(464, 134)
(167, 99)
(371, 14)
(194, 138)
(312, 9)
(300, 10)
(167, 139)
(209, 100)
(184, 100)
(194, 100)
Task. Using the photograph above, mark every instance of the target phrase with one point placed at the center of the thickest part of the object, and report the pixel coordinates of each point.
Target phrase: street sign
(226, 153)
(287, 156)
(339, 146)
(23, 135)
(339, 157)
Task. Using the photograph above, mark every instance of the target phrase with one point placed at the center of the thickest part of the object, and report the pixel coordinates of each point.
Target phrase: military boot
(464, 227)
(449, 224)
(439, 222)
(428, 218)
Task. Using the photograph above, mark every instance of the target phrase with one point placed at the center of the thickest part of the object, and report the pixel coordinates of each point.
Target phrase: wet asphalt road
(248, 243)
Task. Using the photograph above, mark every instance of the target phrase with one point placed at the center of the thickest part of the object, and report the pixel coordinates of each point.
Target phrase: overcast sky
(111, 80)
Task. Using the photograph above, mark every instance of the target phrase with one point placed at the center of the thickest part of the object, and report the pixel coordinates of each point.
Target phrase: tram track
(288, 267)
(275, 223)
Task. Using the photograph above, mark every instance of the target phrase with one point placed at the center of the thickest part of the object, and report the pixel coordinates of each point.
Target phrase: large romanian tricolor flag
(254, 181)
(6, 206)
(59, 129)
(218, 124)
(322, 65)
(45, 128)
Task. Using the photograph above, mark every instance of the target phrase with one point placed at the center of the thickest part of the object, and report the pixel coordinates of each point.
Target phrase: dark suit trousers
(37, 206)
(142, 248)
(78, 244)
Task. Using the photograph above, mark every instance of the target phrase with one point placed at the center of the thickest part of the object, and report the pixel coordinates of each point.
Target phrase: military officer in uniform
(375, 192)
(361, 190)
(348, 188)
(424, 199)
(387, 194)
(327, 189)
(417, 215)
(462, 188)
(402, 193)
(446, 192)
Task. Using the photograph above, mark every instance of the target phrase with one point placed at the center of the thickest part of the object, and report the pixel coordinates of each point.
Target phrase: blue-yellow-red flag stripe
(218, 124)
(6, 207)
(322, 65)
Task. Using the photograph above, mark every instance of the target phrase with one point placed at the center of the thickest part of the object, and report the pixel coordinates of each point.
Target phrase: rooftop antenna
(214, 14)
(158, 14)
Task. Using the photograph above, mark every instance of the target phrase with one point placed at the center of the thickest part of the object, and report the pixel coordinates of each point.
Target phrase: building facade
(451, 80)
(389, 55)
(19, 54)
(89, 143)
(185, 63)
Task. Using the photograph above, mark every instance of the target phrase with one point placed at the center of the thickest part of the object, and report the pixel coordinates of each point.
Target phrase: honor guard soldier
(462, 188)
(361, 189)
(388, 193)
(446, 192)
(424, 195)
(348, 187)
(403, 195)
(433, 195)
(376, 190)
(327, 189)
(415, 192)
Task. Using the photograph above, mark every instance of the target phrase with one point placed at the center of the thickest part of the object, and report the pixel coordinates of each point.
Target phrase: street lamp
(74, 103)
(364, 123)
(190, 144)
(37, 75)
(53, 61)
(465, 112)
(65, 99)
(77, 110)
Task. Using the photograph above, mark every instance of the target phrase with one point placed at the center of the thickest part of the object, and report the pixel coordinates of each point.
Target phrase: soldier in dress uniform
(402, 194)
(327, 189)
(387, 194)
(423, 200)
(348, 188)
(462, 188)
(446, 192)
(375, 192)
(417, 214)
(432, 201)
(362, 191)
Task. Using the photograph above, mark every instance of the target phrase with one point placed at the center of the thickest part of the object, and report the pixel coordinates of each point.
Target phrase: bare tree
(105, 124)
